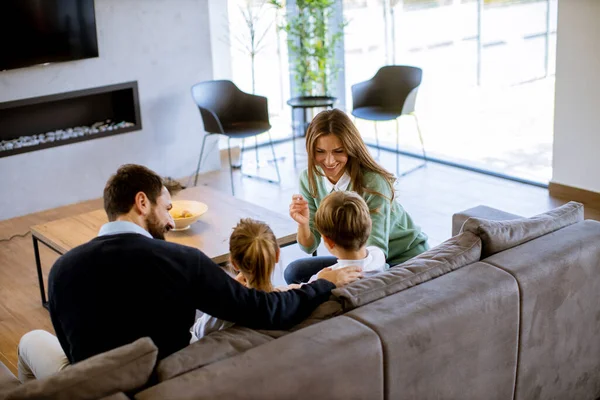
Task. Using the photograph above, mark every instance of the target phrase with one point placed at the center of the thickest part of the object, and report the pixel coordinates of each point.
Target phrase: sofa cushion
(211, 348)
(497, 236)
(120, 370)
(454, 253)
(232, 341)
(559, 282)
(336, 359)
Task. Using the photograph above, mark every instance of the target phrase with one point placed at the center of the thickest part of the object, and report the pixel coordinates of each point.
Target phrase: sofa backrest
(454, 253)
(338, 358)
(559, 284)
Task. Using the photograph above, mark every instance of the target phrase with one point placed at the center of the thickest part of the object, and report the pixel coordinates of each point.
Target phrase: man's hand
(342, 276)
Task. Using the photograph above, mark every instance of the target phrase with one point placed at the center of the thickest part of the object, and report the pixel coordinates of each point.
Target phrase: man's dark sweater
(118, 288)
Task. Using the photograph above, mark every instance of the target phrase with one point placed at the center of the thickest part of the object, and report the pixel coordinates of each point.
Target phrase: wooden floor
(431, 195)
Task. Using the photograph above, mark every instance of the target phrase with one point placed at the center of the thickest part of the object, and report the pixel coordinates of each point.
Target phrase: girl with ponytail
(253, 252)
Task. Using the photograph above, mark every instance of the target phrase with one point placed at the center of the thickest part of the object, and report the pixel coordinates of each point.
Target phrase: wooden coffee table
(210, 234)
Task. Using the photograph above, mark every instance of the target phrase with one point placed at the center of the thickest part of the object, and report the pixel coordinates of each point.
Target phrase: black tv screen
(46, 31)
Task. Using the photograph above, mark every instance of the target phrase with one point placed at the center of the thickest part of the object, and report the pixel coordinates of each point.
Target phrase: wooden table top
(209, 234)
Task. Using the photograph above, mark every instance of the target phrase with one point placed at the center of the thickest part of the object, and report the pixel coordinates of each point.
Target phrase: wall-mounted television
(46, 31)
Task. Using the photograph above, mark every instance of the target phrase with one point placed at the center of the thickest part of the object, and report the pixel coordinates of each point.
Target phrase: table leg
(38, 265)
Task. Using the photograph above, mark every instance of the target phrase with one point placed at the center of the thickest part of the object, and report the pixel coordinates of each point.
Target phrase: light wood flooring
(431, 195)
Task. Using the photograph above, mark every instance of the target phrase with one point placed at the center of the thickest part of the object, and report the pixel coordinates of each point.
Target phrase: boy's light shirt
(374, 261)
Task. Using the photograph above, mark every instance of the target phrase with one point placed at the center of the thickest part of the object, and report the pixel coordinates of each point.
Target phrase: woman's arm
(305, 238)
(308, 237)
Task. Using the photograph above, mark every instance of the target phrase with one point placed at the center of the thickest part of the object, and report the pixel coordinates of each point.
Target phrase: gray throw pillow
(497, 236)
(123, 369)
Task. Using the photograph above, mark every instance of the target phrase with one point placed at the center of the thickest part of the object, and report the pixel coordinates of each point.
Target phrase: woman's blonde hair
(253, 249)
(336, 122)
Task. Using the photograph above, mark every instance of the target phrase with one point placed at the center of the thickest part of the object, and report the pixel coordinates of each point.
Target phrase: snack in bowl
(183, 214)
(186, 212)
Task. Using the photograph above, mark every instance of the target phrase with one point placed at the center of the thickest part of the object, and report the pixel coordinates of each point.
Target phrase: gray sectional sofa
(508, 308)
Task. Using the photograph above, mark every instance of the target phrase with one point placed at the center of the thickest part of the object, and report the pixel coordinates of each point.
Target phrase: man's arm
(219, 295)
(54, 318)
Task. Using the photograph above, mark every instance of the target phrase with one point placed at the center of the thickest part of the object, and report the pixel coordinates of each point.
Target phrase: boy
(344, 222)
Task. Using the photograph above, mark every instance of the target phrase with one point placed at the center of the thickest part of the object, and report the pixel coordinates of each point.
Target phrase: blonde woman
(338, 160)
(254, 252)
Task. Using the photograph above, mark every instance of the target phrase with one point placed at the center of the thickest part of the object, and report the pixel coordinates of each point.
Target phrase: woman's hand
(299, 209)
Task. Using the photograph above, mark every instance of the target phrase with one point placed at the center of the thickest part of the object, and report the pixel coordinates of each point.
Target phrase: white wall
(163, 44)
(577, 111)
(220, 39)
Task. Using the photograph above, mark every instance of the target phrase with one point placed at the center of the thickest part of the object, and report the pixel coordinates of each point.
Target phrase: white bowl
(195, 208)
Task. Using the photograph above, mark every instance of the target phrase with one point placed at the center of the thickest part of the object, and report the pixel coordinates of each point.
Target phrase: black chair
(392, 92)
(226, 110)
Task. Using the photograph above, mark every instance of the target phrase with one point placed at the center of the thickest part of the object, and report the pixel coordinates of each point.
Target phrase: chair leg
(424, 164)
(200, 160)
(256, 151)
(242, 153)
(397, 148)
(230, 165)
(294, 144)
(274, 158)
(294, 128)
(420, 135)
(377, 141)
(256, 176)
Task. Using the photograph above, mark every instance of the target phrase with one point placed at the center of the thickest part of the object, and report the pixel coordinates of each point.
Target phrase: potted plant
(312, 40)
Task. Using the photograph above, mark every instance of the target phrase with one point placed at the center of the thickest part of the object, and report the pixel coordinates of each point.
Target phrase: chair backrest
(222, 104)
(389, 88)
(216, 101)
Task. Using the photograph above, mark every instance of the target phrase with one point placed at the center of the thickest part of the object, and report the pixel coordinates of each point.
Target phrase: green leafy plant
(312, 40)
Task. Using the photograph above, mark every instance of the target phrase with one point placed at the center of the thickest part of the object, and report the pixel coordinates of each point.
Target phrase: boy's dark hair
(344, 218)
(121, 188)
